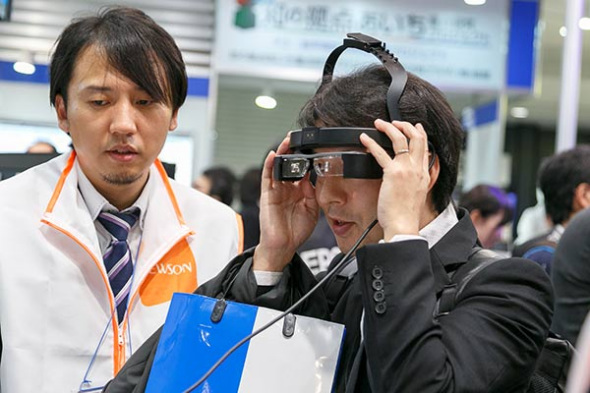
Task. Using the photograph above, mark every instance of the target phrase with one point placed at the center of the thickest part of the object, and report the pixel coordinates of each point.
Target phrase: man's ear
(581, 197)
(62, 113)
(173, 121)
(434, 171)
(476, 216)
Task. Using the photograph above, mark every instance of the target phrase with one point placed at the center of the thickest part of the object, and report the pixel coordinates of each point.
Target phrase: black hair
(223, 182)
(489, 200)
(134, 45)
(559, 175)
(357, 99)
(250, 186)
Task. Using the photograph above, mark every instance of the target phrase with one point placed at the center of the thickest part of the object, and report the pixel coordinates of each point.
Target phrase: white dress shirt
(96, 204)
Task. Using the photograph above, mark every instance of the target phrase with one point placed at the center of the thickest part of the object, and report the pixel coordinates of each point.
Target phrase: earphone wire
(331, 273)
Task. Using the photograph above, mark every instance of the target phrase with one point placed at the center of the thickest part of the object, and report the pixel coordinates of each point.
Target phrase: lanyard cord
(85, 379)
(335, 270)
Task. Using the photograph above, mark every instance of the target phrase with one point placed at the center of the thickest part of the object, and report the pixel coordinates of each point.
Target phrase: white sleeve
(267, 279)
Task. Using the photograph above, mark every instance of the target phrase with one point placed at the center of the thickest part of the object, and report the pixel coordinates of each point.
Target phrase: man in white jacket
(117, 83)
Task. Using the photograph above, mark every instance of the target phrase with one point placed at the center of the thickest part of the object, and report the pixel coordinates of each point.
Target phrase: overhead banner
(485, 161)
(451, 44)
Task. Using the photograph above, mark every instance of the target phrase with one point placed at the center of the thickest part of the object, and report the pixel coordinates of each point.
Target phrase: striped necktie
(117, 258)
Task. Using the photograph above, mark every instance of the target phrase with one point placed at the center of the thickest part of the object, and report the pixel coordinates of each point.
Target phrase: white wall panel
(245, 133)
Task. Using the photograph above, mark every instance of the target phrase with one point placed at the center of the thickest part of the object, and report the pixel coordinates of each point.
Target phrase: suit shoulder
(518, 272)
(517, 265)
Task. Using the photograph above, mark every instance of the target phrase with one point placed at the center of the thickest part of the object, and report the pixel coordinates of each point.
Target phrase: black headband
(377, 48)
(313, 137)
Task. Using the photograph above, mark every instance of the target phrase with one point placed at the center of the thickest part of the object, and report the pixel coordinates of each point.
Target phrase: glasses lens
(328, 165)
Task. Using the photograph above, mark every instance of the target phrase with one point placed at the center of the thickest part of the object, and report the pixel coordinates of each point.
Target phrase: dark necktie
(117, 258)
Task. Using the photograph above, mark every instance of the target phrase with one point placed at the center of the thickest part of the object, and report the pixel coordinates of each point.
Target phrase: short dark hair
(357, 99)
(489, 200)
(559, 175)
(133, 43)
(223, 182)
(250, 186)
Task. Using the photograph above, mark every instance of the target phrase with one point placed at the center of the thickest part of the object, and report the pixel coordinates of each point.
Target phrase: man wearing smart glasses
(385, 188)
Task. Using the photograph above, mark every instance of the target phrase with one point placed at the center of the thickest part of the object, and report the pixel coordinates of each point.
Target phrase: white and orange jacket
(55, 299)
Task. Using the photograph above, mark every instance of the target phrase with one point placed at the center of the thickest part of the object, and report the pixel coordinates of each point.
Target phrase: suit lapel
(452, 250)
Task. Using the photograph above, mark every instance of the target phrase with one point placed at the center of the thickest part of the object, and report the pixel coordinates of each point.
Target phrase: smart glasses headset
(356, 165)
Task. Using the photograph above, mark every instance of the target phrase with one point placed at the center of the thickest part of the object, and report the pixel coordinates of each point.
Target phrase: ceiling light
(24, 67)
(584, 23)
(563, 31)
(519, 112)
(266, 102)
(475, 2)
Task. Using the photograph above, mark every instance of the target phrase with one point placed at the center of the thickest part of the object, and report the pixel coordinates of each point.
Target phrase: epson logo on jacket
(172, 269)
(175, 272)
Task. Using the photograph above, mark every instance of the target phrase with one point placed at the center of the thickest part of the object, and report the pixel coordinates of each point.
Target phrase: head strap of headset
(376, 48)
(312, 137)
(288, 167)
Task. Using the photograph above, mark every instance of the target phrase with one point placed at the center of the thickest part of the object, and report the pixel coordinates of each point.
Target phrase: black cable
(332, 272)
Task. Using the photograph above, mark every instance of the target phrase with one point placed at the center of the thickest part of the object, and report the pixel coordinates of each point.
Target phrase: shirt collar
(433, 232)
(97, 203)
(439, 227)
(556, 233)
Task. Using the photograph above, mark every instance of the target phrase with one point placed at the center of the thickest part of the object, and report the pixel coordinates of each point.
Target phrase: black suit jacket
(488, 343)
(571, 277)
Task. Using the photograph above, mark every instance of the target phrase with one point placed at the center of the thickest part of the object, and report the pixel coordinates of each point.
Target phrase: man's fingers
(416, 138)
(426, 155)
(398, 139)
(284, 146)
(269, 160)
(376, 150)
(268, 163)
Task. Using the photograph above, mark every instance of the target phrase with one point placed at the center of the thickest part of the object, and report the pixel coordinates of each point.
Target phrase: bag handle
(221, 304)
(482, 258)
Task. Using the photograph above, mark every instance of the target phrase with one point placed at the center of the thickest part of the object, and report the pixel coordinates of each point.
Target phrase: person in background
(578, 379)
(37, 153)
(533, 220)
(96, 241)
(570, 275)
(564, 179)
(249, 189)
(218, 182)
(41, 147)
(490, 210)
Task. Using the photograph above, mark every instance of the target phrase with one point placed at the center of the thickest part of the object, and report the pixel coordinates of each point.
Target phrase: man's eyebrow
(96, 88)
(100, 89)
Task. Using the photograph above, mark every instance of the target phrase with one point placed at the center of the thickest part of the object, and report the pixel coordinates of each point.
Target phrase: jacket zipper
(121, 333)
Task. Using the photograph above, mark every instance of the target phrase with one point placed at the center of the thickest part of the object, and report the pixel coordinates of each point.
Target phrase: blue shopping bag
(191, 343)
